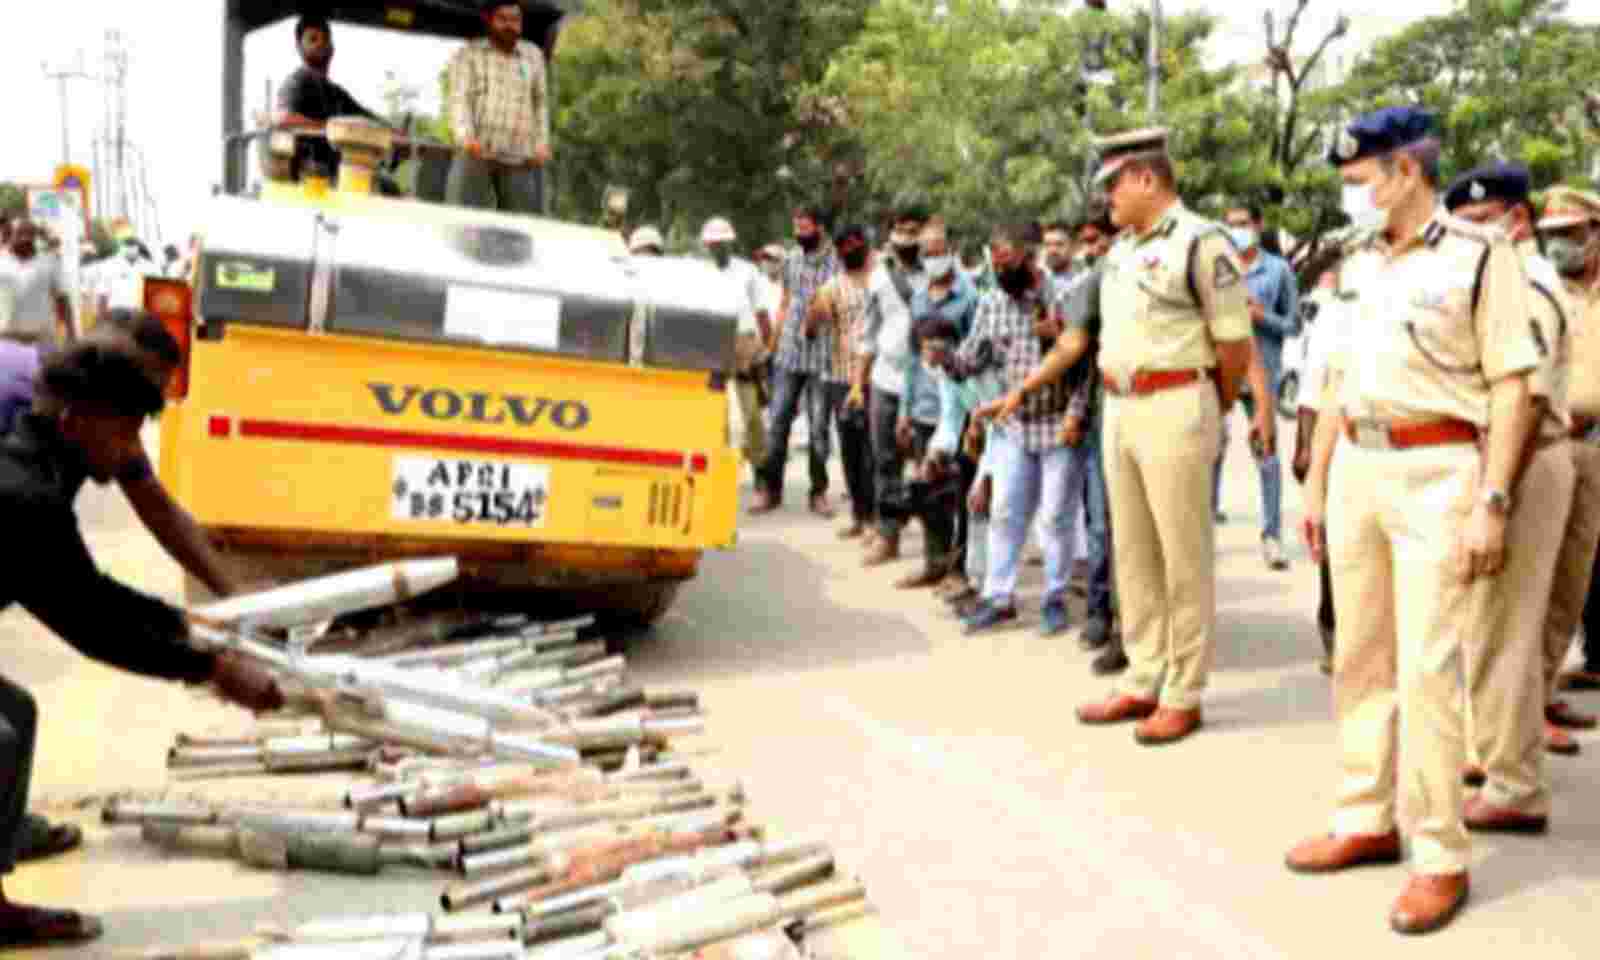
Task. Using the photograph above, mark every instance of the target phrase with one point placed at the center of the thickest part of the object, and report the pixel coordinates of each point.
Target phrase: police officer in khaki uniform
(1571, 231)
(1431, 418)
(1175, 347)
(1505, 660)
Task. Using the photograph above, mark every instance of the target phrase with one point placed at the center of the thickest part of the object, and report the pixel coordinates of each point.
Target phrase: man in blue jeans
(1033, 469)
(1275, 311)
(802, 368)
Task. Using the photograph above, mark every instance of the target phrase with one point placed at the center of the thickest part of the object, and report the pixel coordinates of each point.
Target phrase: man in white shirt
(33, 298)
(119, 281)
(754, 331)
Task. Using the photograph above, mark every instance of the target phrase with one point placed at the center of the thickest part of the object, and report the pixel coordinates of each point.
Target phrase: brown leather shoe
(1557, 740)
(1119, 708)
(1561, 714)
(1474, 777)
(918, 581)
(764, 502)
(884, 550)
(1166, 726)
(1485, 818)
(853, 531)
(821, 507)
(1429, 902)
(1332, 853)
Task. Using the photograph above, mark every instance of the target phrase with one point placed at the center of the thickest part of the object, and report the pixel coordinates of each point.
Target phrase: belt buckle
(1373, 435)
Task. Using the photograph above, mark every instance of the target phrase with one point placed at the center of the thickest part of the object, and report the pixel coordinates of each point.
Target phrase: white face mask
(1243, 237)
(940, 267)
(1359, 205)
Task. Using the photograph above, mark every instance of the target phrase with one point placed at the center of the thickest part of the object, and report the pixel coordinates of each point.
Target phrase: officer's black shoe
(1112, 661)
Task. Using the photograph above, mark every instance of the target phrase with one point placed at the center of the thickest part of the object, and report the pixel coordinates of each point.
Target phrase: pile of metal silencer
(510, 753)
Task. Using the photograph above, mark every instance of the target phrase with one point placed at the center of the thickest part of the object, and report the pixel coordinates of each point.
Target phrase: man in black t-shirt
(308, 99)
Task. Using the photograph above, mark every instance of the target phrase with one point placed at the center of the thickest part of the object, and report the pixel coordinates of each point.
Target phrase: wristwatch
(1498, 501)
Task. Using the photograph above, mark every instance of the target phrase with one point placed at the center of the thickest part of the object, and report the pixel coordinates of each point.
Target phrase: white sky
(174, 96)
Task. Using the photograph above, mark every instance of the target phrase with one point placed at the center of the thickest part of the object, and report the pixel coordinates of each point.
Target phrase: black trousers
(888, 465)
(1325, 608)
(19, 726)
(1591, 624)
(855, 450)
(938, 519)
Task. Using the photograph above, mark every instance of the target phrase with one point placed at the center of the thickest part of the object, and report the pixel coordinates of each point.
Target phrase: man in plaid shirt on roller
(500, 115)
(1033, 469)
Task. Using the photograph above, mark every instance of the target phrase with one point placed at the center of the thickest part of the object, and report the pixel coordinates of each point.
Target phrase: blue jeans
(1098, 508)
(1271, 471)
(789, 387)
(1048, 483)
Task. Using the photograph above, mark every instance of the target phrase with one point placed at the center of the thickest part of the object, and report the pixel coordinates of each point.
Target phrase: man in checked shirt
(500, 115)
(1034, 468)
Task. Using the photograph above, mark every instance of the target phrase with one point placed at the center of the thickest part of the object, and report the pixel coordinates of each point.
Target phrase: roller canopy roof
(443, 18)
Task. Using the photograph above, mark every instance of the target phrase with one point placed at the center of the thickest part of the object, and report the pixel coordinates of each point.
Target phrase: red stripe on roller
(465, 443)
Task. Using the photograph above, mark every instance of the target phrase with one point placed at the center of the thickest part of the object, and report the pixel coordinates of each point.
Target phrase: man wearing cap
(1570, 228)
(1412, 515)
(755, 328)
(1174, 347)
(1506, 669)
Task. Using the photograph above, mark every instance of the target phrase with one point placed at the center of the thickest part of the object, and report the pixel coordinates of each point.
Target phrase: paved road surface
(949, 772)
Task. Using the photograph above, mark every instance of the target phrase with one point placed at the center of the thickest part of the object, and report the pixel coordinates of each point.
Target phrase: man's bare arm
(175, 529)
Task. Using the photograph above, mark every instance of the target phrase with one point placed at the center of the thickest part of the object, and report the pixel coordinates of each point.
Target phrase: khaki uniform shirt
(1153, 319)
(1551, 330)
(1583, 322)
(1420, 346)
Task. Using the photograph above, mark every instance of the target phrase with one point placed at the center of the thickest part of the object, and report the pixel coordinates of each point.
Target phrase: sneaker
(1054, 617)
(965, 596)
(1272, 553)
(965, 610)
(1096, 634)
(989, 616)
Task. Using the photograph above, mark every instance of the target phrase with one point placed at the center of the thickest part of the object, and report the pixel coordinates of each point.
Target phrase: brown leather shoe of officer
(1429, 903)
(1166, 726)
(1557, 740)
(884, 550)
(1561, 714)
(1333, 853)
(1483, 817)
(1120, 708)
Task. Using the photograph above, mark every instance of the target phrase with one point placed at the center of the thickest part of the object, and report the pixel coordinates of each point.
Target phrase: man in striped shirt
(500, 115)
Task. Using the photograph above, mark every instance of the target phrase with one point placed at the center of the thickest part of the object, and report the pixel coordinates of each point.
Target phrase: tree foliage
(1507, 79)
(12, 199)
(701, 108)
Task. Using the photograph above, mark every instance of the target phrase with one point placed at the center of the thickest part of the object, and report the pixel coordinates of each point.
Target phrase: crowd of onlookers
(867, 337)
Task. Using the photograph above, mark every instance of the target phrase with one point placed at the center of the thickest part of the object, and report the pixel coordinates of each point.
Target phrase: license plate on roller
(469, 492)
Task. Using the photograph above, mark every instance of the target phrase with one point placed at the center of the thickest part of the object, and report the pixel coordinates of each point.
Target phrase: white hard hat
(646, 236)
(717, 230)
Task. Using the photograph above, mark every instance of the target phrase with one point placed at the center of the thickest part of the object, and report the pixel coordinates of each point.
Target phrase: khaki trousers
(755, 428)
(1158, 452)
(1402, 619)
(1505, 655)
(1574, 563)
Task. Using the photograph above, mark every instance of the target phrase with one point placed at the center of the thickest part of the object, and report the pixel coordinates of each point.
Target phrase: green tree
(989, 108)
(1507, 79)
(12, 199)
(702, 107)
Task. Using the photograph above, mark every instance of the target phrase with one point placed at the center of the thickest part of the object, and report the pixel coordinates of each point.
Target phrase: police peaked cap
(1380, 132)
(1508, 182)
